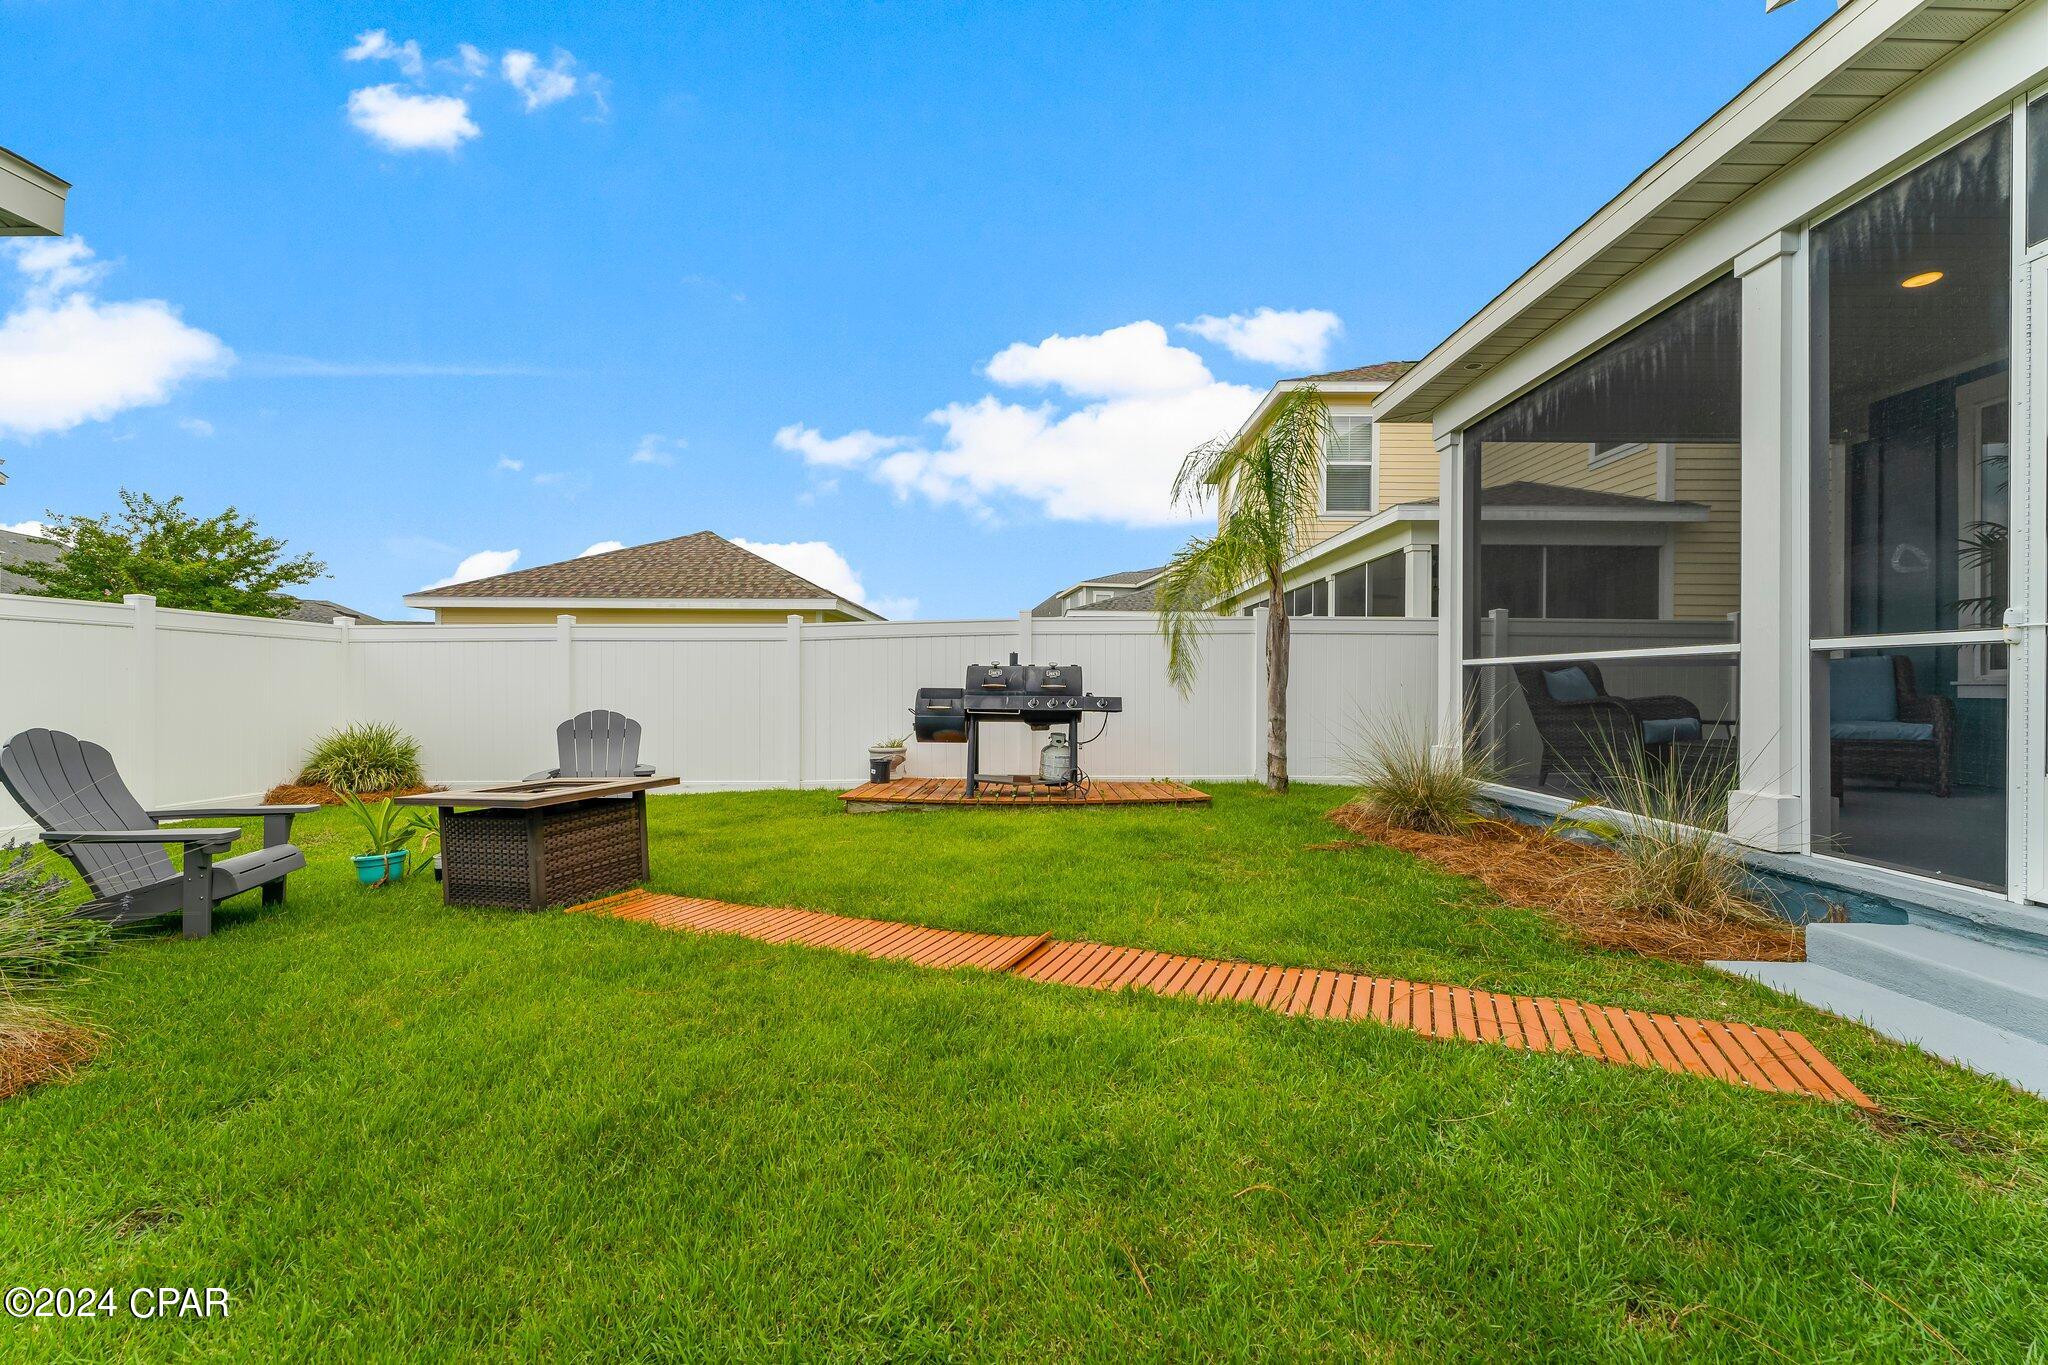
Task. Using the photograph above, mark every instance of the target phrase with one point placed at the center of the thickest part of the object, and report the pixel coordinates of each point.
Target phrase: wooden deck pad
(1762, 1058)
(952, 791)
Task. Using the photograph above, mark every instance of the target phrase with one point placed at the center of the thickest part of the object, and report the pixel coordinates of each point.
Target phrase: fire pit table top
(537, 794)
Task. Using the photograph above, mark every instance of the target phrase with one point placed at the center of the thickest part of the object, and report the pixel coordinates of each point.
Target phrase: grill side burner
(1036, 695)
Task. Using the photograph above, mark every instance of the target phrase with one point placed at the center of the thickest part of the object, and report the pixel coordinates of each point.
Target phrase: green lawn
(398, 1130)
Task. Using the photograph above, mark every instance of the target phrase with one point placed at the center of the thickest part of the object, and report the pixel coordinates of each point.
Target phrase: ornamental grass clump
(367, 757)
(1410, 783)
(1672, 862)
(41, 942)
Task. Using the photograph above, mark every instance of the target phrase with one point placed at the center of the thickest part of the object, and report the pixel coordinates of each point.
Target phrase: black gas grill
(1037, 695)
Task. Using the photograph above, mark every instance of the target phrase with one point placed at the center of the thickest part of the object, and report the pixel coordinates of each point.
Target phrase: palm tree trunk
(1276, 685)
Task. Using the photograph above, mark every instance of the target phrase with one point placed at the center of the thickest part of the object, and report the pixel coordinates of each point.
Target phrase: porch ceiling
(1863, 53)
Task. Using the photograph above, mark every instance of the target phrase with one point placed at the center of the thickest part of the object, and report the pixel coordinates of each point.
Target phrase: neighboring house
(1371, 551)
(1099, 592)
(16, 548)
(702, 578)
(31, 199)
(1760, 448)
(320, 610)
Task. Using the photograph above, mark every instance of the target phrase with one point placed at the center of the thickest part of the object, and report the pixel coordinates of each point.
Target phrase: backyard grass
(399, 1130)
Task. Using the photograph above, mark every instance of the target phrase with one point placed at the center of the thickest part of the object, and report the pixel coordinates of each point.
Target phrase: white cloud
(195, 426)
(67, 357)
(375, 45)
(482, 564)
(539, 85)
(26, 528)
(1110, 460)
(549, 478)
(603, 547)
(406, 121)
(1297, 338)
(812, 559)
(1133, 359)
(471, 59)
(510, 465)
(655, 449)
(835, 452)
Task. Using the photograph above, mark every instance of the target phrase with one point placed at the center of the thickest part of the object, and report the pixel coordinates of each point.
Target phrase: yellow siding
(617, 616)
(1408, 463)
(1566, 464)
(1707, 574)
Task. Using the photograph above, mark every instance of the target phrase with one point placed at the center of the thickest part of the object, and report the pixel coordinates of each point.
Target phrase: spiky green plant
(41, 938)
(1674, 862)
(367, 757)
(1406, 779)
(1269, 491)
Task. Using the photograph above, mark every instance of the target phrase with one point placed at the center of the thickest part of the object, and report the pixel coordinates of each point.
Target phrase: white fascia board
(31, 199)
(1669, 512)
(1838, 41)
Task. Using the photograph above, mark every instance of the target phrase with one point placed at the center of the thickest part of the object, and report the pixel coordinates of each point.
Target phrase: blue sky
(413, 298)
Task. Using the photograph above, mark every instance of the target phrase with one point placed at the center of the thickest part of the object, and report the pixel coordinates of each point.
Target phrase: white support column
(1768, 808)
(139, 766)
(565, 663)
(1415, 575)
(1257, 709)
(345, 631)
(1024, 630)
(1330, 595)
(796, 701)
(1450, 620)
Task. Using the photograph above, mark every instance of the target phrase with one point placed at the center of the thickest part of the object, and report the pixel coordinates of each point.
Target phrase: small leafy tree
(1270, 490)
(218, 563)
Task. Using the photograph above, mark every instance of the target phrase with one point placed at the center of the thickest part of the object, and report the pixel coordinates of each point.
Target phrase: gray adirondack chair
(71, 788)
(597, 744)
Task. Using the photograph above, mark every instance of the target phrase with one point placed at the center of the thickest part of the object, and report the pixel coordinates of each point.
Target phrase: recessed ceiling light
(1921, 280)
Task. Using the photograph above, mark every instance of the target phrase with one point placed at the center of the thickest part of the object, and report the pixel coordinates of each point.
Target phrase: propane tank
(1056, 761)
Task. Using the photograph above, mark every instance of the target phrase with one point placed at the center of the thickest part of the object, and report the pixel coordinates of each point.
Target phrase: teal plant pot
(376, 869)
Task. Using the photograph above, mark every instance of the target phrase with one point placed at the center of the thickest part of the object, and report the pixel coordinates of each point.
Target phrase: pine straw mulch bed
(36, 1047)
(320, 794)
(1575, 885)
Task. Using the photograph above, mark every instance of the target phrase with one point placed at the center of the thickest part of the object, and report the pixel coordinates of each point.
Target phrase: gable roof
(701, 567)
(1128, 578)
(1388, 370)
(319, 609)
(16, 548)
(1144, 599)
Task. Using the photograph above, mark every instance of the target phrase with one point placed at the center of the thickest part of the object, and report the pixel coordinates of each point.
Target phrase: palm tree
(1270, 490)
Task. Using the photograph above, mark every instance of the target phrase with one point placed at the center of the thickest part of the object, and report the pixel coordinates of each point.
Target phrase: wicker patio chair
(1914, 745)
(1584, 735)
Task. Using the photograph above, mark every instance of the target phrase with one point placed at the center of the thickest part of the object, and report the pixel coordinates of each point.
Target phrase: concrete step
(1953, 1037)
(2004, 987)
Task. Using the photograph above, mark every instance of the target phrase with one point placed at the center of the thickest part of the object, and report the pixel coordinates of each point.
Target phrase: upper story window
(1347, 467)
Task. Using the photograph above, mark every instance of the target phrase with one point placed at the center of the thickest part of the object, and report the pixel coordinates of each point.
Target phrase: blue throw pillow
(1677, 730)
(1861, 689)
(1569, 684)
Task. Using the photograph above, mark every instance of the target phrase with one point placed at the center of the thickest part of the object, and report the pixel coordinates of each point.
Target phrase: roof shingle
(701, 566)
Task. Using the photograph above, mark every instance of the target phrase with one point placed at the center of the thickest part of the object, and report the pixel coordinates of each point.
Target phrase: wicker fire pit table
(551, 841)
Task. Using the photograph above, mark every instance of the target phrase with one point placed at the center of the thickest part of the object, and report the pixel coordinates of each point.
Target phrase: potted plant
(885, 758)
(390, 831)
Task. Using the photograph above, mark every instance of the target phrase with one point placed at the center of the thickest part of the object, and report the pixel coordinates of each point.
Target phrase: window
(1352, 598)
(1600, 453)
(1347, 471)
(1564, 582)
(1389, 585)
(1310, 599)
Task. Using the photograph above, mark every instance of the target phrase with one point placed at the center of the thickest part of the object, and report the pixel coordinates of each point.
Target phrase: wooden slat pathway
(952, 791)
(1741, 1054)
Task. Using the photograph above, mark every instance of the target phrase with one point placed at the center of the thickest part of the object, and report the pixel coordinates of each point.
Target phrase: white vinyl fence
(199, 707)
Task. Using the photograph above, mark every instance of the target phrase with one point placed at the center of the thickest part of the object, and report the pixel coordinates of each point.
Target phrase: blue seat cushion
(1682, 729)
(1569, 684)
(1862, 689)
(1891, 730)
